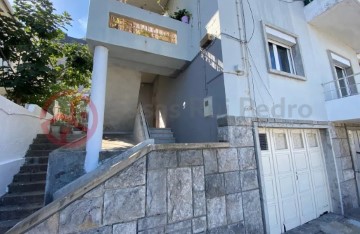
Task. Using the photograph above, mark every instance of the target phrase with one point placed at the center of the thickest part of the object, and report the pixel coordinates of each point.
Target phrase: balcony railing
(342, 87)
(142, 29)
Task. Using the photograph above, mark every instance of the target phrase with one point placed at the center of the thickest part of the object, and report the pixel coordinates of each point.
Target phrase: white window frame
(339, 61)
(346, 82)
(290, 41)
(275, 44)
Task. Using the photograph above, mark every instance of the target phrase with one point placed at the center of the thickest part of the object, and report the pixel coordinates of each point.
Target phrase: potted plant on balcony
(65, 129)
(182, 15)
(55, 126)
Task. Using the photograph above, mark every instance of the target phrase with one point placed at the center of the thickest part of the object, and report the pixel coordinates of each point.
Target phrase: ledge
(226, 120)
(288, 75)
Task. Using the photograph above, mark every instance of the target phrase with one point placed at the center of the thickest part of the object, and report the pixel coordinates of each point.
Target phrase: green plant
(32, 44)
(181, 13)
(58, 123)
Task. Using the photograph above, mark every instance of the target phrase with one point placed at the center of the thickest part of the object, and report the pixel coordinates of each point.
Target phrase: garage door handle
(358, 152)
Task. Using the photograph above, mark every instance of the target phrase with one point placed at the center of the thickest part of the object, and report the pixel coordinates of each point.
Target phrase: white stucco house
(5, 8)
(287, 71)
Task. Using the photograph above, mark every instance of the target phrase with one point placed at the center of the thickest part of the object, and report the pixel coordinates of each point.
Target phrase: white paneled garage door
(294, 176)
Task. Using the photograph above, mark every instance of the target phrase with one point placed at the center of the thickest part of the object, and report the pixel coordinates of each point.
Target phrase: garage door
(294, 176)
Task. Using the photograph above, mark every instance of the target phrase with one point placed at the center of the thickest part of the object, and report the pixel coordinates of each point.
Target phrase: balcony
(138, 38)
(343, 98)
(338, 18)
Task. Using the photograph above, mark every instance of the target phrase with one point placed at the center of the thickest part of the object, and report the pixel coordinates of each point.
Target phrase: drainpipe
(336, 171)
(242, 34)
(97, 108)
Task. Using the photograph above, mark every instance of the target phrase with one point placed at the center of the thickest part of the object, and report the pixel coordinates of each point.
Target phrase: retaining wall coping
(89, 181)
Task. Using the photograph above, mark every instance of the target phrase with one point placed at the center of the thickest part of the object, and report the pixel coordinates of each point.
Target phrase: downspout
(353, 161)
(242, 36)
(336, 171)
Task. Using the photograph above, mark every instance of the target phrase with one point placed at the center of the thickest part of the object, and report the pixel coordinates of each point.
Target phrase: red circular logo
(61, 139)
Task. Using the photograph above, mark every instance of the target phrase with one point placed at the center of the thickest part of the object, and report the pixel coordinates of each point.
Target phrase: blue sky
(78, 9)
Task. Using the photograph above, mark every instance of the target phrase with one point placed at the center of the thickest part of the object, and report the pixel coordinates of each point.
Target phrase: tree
(30, 43)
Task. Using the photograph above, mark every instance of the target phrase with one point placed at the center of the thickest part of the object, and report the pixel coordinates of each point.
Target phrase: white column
(98, 92)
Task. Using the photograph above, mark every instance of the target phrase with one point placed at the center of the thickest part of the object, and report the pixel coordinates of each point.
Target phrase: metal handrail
(341, 88)
(143, 119)
(346, 77)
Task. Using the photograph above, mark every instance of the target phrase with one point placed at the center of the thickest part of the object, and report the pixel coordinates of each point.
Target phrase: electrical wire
(257, 71)
(253, 21)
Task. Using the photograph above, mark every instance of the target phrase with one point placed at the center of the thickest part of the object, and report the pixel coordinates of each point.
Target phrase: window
(344, 88)
(263, 141)
(283, 53)
(281, 57)
(345, 84)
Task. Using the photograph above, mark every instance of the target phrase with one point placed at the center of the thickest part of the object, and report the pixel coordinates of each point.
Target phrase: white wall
(348, 106)
(122, 94)
(18, 128)
(269, 89)
(146, 98)
(2, 91)
(135, 48)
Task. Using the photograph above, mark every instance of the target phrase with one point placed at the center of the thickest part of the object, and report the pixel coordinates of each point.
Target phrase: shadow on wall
(180, 101)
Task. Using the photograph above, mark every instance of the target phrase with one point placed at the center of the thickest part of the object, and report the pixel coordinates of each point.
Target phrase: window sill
(288, 75)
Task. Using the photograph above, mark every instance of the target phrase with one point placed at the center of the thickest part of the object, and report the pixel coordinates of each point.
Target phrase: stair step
(34, 168)
(30, 177)
(27, 187)
(6, 225)
(56, 139)
(44, 146)
(22, 198)
(160, 130)
(18, 212)
(161, 135)
(59, 136)
(27, 191)
(37, 153)
(164, 140)
(37, 160)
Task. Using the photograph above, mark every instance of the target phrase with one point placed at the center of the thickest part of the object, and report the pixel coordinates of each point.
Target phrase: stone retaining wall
(64, 166)
(213, 190)
(344, 162)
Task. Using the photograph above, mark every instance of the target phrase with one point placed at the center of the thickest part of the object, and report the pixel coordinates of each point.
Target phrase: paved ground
(114, 142)
(329, 224)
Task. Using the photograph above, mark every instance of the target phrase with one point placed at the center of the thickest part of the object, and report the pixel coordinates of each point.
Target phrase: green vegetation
(37, 62)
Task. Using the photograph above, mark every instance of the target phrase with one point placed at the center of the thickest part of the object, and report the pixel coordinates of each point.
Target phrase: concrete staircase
(162, 135)
(26, 192)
